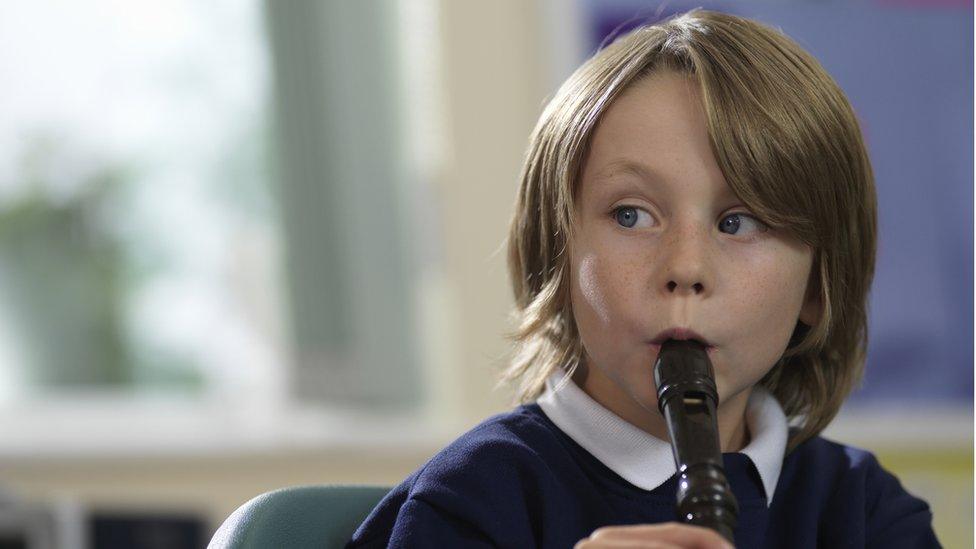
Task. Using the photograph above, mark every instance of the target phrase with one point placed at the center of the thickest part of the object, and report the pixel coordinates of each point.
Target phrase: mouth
(680, 334)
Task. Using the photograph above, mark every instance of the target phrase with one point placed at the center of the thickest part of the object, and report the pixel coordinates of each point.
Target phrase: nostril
(697, 287)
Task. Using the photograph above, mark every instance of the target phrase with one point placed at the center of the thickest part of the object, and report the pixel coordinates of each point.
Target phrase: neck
(733, 432)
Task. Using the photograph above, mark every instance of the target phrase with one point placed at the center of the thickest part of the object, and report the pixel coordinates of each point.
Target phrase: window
(201, 211)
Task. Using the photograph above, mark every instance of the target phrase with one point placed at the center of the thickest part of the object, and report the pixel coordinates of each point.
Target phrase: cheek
(600, 307)
(606, 285)
(591, 289)
(767, 305)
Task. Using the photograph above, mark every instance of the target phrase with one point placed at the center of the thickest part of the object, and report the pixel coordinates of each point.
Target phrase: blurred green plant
(65, 274)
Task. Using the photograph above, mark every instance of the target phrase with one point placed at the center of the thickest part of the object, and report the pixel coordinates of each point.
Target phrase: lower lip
(657, 348)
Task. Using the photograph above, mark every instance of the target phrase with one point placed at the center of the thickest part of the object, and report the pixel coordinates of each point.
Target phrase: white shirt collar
(647, 461)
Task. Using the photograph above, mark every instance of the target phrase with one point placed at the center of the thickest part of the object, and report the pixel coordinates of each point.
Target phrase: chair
(299, 517)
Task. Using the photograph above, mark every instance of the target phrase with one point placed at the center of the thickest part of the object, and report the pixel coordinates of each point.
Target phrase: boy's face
(663, 242)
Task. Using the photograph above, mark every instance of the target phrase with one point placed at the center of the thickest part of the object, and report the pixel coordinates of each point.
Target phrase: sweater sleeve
(480, 491)
(421, 524)
(895, 518)
(475, 494)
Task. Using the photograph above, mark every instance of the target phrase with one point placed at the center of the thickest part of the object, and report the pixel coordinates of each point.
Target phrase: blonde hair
(789, 146)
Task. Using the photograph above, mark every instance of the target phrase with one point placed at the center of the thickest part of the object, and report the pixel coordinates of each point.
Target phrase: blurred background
(247, 245)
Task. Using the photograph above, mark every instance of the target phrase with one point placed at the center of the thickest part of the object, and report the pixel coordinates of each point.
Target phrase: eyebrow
(626, 166)
(647, 174)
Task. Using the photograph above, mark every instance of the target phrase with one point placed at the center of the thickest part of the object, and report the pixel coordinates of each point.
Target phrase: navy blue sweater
(517, 481)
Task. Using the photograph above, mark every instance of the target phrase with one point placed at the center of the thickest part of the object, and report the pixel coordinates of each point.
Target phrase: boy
(702, 178)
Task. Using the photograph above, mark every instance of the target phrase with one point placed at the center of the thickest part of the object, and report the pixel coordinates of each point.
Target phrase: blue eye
(627, 216)
(733, 223)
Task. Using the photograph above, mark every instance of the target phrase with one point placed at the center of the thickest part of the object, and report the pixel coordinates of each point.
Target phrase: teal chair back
(300, 517)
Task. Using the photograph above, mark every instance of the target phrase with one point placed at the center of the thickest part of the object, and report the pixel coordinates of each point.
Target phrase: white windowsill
(166, 428)
(932, 428)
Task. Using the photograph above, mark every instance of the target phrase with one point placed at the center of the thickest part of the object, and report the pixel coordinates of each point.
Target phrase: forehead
(654, 131)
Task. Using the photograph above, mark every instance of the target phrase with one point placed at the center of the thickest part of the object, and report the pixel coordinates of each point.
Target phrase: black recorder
(688, 400)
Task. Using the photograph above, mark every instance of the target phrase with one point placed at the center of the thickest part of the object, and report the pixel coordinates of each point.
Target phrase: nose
(685, 262)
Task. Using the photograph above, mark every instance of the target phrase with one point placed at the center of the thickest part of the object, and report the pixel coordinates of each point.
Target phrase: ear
(810, 311)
